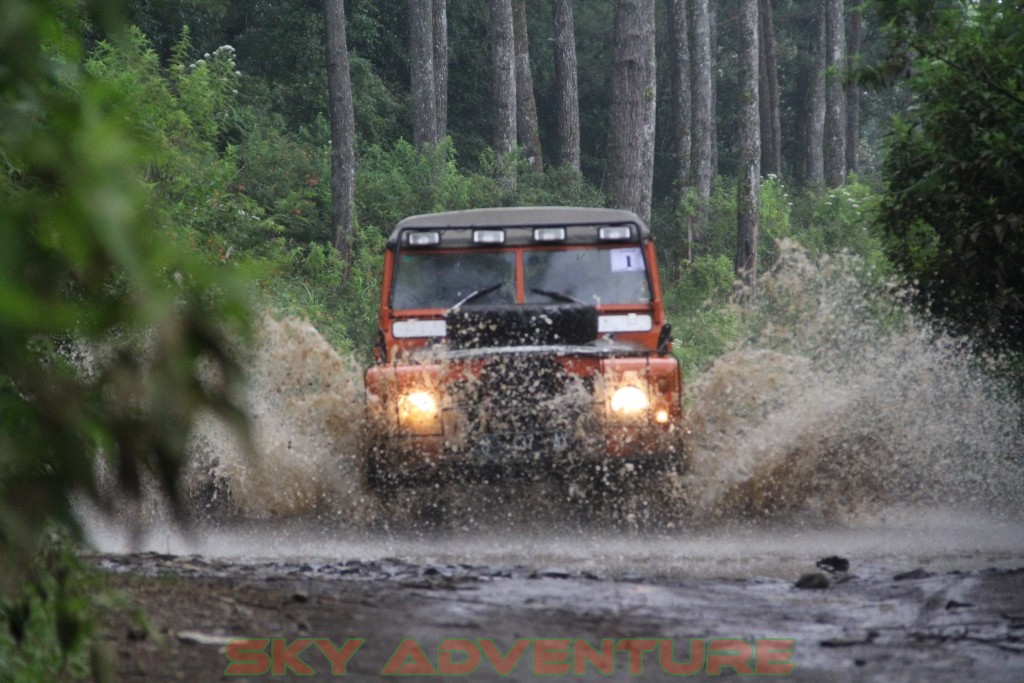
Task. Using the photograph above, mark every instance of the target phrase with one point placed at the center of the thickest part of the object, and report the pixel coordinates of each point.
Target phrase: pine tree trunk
(440, 35)
(835, 96)
(526, 106)
(343, 129)
(631, 145)
(771, 125)
(816, 105)
(853, 91)
(421, 67)
(682, 114)
(713, 27)
(703, 112)
(748, 198)
(503, 59)
(567, 89)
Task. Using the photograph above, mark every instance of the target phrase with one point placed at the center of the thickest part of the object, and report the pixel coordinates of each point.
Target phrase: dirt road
(904, 610)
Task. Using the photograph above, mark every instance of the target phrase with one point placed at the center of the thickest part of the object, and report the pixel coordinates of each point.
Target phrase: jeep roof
(525, 217)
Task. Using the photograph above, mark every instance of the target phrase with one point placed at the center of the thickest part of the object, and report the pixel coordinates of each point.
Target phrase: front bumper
(533, 415)
(403, 460)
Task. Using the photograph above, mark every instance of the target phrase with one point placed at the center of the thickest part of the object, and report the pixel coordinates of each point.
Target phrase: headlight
(629, 400)
(417, 406)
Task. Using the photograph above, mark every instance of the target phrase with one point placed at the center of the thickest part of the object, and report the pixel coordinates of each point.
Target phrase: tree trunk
(631, 148)
(713, 28)
(567, 89)
(343, 128)
(526, 106)
(703, 112)
(816, 105)
(853, 91)
(835, 96)
(421, 67)
(771, 125)
(682, 114)
(748, 198)
(503, 59)
(440, 35)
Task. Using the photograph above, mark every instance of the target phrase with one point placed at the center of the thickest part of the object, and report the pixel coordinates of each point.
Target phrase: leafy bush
(398, 182)
(699, 306)
(313, 282)
(86, 266)
(953, 211)
(838, 220)
(720, 239)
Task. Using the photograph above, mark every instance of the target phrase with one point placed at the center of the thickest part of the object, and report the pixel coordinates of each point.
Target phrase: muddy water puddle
(843, 428)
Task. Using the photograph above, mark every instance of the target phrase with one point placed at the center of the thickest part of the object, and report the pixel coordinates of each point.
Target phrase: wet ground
(931, 598)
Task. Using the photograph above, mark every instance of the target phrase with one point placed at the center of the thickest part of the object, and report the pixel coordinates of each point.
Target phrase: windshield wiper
(476, 295)
(557, 296)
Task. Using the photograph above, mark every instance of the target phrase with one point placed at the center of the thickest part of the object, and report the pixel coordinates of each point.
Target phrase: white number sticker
(627, 260)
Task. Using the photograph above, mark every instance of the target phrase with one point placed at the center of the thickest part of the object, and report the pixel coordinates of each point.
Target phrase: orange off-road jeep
(521, 342)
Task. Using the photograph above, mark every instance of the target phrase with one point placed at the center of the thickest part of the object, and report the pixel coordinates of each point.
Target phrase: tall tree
(526, 106)
(835, 95)
(631, 145)
(815, 172)
(703, 111)
(853, 88)
(713, 27)
(566, 86)
(748, 181)
(440, 36)
(343, 127)
(771, 120)
(682, 113)
(421, 68)
(503, 61)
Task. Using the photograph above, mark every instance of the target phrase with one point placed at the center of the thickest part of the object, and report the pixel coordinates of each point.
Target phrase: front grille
(517, 394)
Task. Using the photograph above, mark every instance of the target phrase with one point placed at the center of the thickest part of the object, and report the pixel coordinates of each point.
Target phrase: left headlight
(629, 400)
(417, 406)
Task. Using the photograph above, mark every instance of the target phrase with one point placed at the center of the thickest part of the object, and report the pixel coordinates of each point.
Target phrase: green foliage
(720, 239)
(398, 182)
(952, 212)
(112, 339)
(313, 282)
(288, 177)
(840, 219)
(47, 626)
(699, 305)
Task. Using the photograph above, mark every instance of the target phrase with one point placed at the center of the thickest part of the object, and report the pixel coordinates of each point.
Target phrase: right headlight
(629, 401)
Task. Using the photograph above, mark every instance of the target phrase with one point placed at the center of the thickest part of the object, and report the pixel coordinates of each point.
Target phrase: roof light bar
(488, 237)
(423, 238)
(615, 233)
(549, 234)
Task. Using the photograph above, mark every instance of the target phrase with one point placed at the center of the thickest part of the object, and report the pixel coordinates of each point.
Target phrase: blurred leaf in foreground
(111, 340)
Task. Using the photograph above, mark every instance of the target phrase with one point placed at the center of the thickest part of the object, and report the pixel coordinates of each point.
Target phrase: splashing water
(845, 403)
(844, 407)
(304, 402)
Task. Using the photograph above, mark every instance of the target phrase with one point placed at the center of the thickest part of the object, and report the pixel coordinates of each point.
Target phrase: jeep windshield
(592, 275)
(443, 279)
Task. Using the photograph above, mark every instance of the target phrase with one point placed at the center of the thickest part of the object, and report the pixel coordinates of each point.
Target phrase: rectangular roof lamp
(423, 238)
(549, 234)
(615, 233)
(488, 237)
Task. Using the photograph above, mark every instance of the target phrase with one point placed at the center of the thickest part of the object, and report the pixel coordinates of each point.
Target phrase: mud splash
(842, 407)
(305, 405)
(844, 404)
